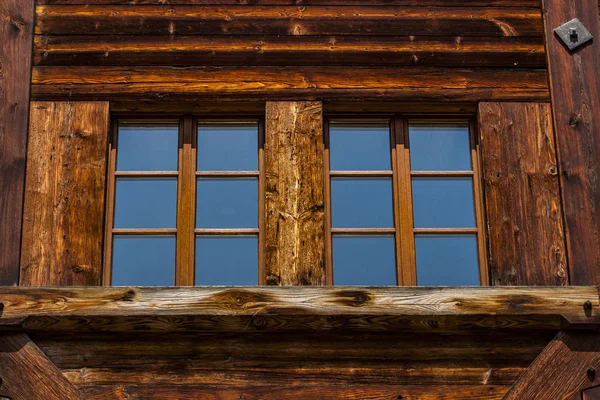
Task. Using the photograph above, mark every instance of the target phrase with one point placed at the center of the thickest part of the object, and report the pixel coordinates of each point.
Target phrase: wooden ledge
(198, 309)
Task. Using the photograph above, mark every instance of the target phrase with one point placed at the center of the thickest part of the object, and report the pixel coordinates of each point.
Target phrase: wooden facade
(70, 68)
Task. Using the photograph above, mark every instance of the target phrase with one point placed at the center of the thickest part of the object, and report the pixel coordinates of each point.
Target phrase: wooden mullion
(397, 201)
(327, 203)
(484, 275)
(441, 174)
(407, 268)
(361, 174)
(262, 278)
(228, 174)
(186, 207)
(110, 203)
(147, 174)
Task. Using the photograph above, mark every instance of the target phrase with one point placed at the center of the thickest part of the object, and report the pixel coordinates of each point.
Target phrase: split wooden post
(575, 93)
(294, 215)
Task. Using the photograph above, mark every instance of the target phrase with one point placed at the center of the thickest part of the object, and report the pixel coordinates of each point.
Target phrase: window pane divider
(228, 174)
(149, 174)
(358, 174)
(225, 232)
(363, 231)
(446, 231)
(144, 231)
(442, 174)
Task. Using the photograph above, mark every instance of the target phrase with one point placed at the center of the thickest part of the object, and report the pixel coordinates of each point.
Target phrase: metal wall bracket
(573, 34)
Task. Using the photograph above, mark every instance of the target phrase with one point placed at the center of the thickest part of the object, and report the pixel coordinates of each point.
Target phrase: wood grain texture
(16, 37)
(424, 3)
(561, 371)
(299, 364)
(103, 50)
(263, 309)
(65, 194)
(27, 374)
(281, 83)
(575, 87)
(286, 20)
(522, 195)
(294, 206)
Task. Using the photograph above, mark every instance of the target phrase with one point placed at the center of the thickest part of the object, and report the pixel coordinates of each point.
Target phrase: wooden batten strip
(294, 198)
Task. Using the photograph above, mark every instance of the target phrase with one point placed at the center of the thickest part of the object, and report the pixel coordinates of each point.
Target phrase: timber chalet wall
(97, 57)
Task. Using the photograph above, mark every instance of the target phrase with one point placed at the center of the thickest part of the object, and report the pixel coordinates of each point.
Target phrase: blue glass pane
(148, 147)
(439, 148)
(362, 203)
(359, 147)
(228, 147)
(227, 203)
(447, 260)
(364, 260)
(146, 203)
(226, 260)
(143, 261)
(443, 202)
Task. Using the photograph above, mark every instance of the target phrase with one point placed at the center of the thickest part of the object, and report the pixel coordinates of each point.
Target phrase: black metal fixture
(573, 34)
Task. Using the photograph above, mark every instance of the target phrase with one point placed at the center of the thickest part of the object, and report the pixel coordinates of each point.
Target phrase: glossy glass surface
(443, 202)
(447, 260)
(359, 147)
(364, 260)
(147, 147)
(228, 147)
(362, 203)
(439, 148)
(227, 203)
(226, 260)
(145, 203)
(143, 261)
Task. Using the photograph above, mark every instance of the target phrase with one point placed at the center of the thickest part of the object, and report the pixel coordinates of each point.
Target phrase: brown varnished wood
(522, 195)
(444, 51)
(294, 198)
(424, 3)
(289, 308)
(27, 374)
(16, 36)
(286, 20)
(562, 370)
(65, 194)
(575, 89)
(278, 83)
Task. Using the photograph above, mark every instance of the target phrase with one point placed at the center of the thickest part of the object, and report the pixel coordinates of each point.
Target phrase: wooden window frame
(404, 231)
(187, 175)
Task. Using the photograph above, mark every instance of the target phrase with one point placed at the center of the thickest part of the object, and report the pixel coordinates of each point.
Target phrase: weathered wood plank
(294, 199)
(280, 83)
(16, 37)
(289, 50)
(27, 374)
(523, 209)
(307, 392)
(424, 3)
(575, 89)
(286, 20)
(561, 371)
(65, 194)
(239, 309)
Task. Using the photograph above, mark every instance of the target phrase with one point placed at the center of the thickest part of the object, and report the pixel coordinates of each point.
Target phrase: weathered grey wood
(27, 374)
(239, 309)
(294, 217)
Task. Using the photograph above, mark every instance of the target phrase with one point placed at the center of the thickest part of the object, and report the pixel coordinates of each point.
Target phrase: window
(404, 202)
(184, 202)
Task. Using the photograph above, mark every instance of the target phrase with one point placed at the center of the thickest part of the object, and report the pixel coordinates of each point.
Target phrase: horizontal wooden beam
(422, 3)
(283, 83)
(289, 308)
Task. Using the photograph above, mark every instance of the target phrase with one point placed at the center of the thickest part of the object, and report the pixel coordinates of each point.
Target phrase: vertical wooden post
(294, 217)
(575, 92)
(63, 224)
(16, 41)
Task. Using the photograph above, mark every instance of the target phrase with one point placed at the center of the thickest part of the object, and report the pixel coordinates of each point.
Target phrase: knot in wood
(591, 373)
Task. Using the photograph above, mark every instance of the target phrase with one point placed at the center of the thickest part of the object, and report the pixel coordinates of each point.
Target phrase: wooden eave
(196, 309)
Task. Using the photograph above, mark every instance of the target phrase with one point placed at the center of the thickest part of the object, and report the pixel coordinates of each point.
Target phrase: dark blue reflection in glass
(226, 260)
(359, 147)
(447, 260)
(443, 202)
(361, 203)
(227, 203)
(148, 147)
(146, 203)
(143, 261)
(228, 147)
(439, 148)
(364, 260)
